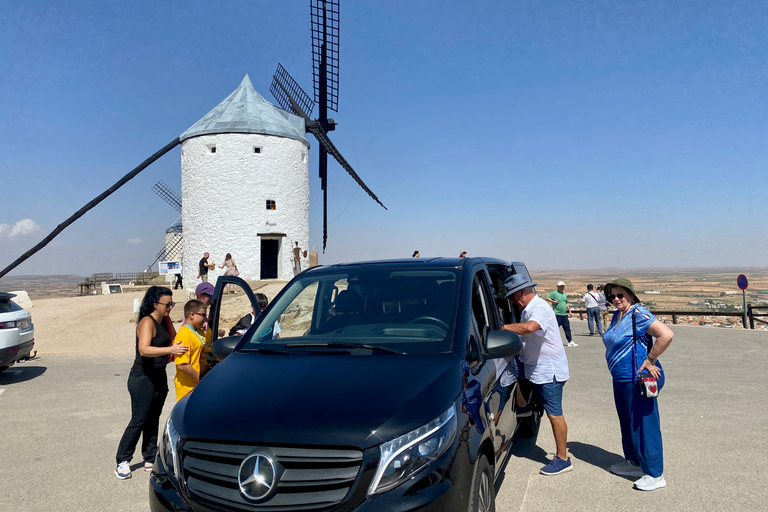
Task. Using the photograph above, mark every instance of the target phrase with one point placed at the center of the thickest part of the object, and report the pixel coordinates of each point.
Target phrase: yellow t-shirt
(194, 340)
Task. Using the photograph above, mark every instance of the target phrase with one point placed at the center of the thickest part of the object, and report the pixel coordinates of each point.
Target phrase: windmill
(171, 251)
(324, 23)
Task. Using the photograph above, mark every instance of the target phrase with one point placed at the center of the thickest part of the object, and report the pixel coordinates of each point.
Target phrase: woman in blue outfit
(627, 357)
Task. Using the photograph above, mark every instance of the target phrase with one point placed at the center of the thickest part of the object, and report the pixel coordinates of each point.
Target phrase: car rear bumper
(10, 355)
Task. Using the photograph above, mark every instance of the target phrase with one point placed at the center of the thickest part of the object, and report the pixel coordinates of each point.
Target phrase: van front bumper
(440, 490)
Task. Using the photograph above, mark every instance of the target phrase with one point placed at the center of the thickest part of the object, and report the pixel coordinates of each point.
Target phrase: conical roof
(246, 111)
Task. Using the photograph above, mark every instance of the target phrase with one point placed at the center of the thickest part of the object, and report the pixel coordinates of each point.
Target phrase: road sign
(742, 281)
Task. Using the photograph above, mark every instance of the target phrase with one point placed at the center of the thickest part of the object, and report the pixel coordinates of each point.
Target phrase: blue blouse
(619, 346)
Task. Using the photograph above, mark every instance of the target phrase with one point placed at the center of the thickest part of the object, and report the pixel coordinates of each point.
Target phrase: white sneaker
(572, 344)
(626, 468)
(123, 470)
(148, 466)
(649, 483)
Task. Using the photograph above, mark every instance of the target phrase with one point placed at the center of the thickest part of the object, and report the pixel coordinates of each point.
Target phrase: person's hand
(178, 349)
(221, 333)
(654, 370)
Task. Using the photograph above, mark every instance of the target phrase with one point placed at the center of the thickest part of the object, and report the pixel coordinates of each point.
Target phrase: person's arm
(663, 335)
(522, 328)
(221, 266)
(551, 301)
(146, 331)
(187, 370)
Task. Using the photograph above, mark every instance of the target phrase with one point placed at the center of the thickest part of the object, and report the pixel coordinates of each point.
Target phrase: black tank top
(153, 364)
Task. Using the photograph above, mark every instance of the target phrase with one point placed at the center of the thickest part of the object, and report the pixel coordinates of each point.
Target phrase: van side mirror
(502, 344)
(222, 347)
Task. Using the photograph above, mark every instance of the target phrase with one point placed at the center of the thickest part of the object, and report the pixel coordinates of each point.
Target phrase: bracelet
(650, 359)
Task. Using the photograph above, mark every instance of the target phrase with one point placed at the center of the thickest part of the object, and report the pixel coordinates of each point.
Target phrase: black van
(362, 387)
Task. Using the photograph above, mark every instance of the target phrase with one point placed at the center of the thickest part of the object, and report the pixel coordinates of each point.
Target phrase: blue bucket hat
(515, 283)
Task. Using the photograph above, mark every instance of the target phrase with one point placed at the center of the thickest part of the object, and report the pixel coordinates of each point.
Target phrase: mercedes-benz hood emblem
(256, 476)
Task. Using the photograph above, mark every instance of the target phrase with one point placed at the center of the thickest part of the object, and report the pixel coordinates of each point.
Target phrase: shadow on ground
(594, 455)
(16, 374)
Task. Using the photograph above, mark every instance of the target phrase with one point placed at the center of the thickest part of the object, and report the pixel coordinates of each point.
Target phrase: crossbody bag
(649, 385)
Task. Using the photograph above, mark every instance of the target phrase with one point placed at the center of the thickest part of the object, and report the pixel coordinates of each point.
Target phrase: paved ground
(61, 417)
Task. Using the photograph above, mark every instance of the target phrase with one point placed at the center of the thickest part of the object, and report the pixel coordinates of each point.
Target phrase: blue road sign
(742, 281)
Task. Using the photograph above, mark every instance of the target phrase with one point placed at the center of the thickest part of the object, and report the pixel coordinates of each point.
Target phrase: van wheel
(483, 495)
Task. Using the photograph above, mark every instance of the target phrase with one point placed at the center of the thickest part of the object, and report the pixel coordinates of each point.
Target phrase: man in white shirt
(592, 302)
(543, 356)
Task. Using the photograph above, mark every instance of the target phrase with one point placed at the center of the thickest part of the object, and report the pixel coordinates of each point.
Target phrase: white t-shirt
(543, 352)
(590, 300)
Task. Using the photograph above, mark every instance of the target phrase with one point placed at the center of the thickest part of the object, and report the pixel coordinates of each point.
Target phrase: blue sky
(567, 134)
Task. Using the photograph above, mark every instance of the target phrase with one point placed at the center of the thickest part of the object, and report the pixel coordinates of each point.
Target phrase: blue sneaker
(123, 470)
(557, 466)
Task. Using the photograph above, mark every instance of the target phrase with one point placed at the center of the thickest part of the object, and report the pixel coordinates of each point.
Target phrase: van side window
(480, 322)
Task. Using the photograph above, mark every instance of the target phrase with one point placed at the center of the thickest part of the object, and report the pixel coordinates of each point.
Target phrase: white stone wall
(224, 198)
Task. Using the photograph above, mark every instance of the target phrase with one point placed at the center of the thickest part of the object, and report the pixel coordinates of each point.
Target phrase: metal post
(323, 119)
(751, 317)
(744, 307)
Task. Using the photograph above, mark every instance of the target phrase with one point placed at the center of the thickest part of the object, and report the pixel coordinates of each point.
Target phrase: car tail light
(7, 325)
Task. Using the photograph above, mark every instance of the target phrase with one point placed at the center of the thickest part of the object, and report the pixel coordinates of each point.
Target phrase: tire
(482, 497)
(529, 427)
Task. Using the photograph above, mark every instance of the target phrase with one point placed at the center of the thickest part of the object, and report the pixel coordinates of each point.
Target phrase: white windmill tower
(245, 187)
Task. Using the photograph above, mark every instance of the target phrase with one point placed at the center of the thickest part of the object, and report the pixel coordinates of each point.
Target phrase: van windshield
(410, 311)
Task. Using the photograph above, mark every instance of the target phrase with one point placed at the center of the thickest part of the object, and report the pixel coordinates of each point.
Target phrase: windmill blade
(323, 139)
(168, 195)
(82, 211)
(324, 24)
(290, 95)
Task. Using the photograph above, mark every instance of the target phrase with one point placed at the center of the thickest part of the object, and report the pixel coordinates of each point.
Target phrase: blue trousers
(593, 316)
(565, 323)
(640, 427)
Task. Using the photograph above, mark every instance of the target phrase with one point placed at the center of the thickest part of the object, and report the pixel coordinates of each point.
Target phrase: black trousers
(148, 394)
(177, 284)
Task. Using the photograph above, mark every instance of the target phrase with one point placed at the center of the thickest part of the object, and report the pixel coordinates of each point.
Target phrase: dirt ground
(105, 324)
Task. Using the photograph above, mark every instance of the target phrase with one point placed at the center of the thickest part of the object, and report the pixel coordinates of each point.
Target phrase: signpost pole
(744, 305)
(743, 282)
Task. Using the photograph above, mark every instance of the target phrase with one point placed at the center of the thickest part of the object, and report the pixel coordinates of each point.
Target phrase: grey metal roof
(246, 111)
(175, 227)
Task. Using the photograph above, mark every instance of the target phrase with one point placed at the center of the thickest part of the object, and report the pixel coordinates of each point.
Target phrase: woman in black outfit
(147, 381)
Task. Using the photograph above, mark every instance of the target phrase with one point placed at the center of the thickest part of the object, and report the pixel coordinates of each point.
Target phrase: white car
(17, 334)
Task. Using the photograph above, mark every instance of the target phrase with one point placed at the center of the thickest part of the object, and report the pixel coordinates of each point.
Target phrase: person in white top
(592, 302)
(545, 363)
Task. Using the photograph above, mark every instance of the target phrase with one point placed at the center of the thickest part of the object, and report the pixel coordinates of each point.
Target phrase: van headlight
(404, 456)
(167, 449)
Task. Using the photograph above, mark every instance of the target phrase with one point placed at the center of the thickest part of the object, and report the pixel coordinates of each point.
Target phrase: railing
(675, 314)
(751, 314)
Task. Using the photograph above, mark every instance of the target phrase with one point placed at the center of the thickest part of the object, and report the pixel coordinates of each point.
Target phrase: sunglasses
(166, 304)
(612, 296)
(196, 313)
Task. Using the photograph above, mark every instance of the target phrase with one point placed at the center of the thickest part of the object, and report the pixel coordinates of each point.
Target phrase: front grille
(313, 480)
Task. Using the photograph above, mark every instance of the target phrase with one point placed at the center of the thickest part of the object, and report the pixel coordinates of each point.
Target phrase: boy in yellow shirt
(191, 335)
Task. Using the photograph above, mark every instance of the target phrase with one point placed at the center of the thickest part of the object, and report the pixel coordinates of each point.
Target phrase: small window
(271, 205)
(256, 150)
(212, 149)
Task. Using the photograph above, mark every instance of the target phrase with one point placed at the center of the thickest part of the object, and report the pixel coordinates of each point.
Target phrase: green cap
(624, 283)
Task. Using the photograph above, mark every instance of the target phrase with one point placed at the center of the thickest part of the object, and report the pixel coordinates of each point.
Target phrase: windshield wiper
(270, 351)
(375, 348)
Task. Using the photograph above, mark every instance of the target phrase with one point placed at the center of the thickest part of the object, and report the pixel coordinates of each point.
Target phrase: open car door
(232, 305)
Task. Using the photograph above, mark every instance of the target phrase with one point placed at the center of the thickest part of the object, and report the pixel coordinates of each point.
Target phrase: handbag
(650, 386)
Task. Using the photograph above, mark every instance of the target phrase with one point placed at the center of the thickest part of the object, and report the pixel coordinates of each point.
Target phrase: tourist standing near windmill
(147, 380)
(231, 267)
